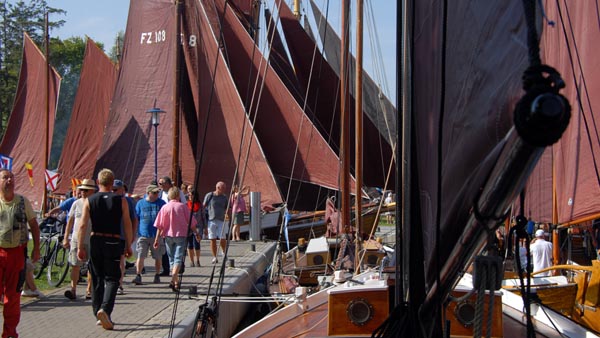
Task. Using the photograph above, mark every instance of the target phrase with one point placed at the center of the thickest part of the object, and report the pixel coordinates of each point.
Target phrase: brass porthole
(359, 311)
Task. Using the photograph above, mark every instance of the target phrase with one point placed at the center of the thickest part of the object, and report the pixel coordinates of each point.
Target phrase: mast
(176, 100)
(297, 9)
(47, 115)
(345, 123)
(358, 165)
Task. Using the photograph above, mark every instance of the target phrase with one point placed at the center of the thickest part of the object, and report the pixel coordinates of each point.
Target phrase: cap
(117, 184)
(539, 233)
(152, 188)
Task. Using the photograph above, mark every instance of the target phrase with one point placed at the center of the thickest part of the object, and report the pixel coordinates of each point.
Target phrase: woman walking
(172, 224)
(238, 210)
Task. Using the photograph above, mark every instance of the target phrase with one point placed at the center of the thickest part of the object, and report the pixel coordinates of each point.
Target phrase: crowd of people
(104, 227)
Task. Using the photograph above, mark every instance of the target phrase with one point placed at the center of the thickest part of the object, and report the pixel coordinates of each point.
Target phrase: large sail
(320, 83)
(88, 117)
(294, 148)
(465, 81)
(230, 143)
(575, 165)
(146, 79)
(25, 132)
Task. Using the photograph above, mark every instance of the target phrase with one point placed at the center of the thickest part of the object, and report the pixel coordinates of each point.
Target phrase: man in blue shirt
(146, 211)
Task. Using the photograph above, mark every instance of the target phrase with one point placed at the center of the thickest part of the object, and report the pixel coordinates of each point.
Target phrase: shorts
(192, 242)
(238, 218)
(147, 243)
(215, 229)
(73, 260)
(175, 250)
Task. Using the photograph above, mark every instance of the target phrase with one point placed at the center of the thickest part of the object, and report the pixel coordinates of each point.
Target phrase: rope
(477, 324)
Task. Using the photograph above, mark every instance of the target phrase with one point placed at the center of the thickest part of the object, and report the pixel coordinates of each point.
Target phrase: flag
(29, 168)
(74, 183)
(6, 162)
(51, 179)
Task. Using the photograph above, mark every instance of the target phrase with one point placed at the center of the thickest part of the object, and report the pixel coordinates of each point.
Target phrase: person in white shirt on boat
(541, 252)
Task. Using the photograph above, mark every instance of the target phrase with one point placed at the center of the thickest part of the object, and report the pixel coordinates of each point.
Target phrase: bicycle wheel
(41, 264)
(58, 266)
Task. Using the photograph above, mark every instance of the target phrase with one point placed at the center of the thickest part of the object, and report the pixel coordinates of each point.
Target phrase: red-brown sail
(23, 140)
(321, 83)
(565, 185)
(230, 142)
(88, 117)
(145, 80)
(281, 124)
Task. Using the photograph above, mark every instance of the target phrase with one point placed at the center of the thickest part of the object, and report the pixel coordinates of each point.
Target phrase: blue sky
(102, 20)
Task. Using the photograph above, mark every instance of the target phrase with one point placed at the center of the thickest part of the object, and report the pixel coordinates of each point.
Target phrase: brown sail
(25, 132)
(280, 123)
(230, 143)
(88, 117)
(320, 84)
(145, 80)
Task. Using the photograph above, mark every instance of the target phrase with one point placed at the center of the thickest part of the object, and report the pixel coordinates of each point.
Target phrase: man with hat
(146, 211)
(541, 252)
(85, 189)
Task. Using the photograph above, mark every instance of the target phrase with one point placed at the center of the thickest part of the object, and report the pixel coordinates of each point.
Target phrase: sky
(102, 20)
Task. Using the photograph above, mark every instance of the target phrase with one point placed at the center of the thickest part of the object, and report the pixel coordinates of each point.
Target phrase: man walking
(16, 214)
(216, 203)
(107, 212)
(146, 211)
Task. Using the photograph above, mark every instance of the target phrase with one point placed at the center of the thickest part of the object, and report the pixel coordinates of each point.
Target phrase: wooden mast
(345, 123)
(47, 115)
(176, 99)
(358, 164)
(297, 9)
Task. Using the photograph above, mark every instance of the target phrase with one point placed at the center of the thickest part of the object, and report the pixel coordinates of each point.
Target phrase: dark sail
(378, 107)
(90, 111)
(25, 132)
(320, 84)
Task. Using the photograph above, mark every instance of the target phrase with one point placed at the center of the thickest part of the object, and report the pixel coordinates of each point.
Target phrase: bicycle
(52, 254)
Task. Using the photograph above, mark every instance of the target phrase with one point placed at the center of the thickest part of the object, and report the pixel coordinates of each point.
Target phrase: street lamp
(155, 122)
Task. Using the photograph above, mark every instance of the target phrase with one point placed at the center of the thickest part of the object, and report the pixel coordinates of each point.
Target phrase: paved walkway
(144, 310)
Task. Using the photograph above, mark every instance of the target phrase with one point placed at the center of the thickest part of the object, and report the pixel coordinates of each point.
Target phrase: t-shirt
(216, 206)
(541, 252)
(77, 211)
(14, 217)
(146, 212)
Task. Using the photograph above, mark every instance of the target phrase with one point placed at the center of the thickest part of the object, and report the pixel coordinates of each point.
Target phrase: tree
(117, 49)
(16, 18)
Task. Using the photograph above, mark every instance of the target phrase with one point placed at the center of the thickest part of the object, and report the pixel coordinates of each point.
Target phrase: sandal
(176, 287)
(70, 294)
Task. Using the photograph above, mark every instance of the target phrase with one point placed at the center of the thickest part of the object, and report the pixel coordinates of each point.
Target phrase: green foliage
(115, 51)
(16, 18)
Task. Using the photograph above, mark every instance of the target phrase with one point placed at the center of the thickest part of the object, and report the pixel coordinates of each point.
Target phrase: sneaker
(120, 291)
(98, 322)
(215, 260)
(137, 280)
(156, 279)
(104, 319)
(30, 293)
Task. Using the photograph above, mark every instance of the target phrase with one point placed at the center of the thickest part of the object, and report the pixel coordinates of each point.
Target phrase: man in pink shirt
(172, 224)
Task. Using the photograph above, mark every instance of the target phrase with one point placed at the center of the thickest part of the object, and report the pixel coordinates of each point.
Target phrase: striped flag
(74, 183)
(29, 168)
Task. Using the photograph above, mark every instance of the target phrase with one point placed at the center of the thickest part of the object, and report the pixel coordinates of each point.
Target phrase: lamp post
(155, 122)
